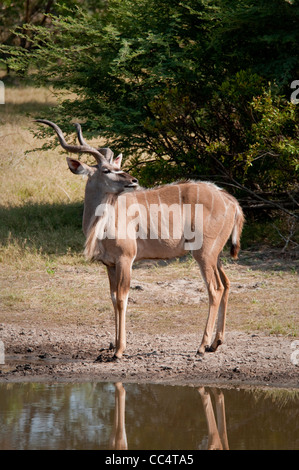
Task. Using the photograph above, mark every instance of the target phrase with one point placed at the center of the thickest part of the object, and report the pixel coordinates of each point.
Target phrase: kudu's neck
(93, 198)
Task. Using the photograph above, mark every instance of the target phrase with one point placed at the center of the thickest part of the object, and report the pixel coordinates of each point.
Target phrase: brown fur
(223, 217)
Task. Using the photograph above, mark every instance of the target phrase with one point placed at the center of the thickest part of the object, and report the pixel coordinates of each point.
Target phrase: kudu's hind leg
(219, 337)
(215, 289)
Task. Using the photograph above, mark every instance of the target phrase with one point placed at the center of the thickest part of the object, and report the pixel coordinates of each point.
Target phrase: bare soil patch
(80, 354)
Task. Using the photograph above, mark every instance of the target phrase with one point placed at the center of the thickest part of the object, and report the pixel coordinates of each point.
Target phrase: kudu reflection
(217, 433)
(118, 440)
(199, 217)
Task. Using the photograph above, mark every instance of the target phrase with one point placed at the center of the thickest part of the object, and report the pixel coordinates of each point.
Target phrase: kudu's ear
(117, 160)
(78, 168)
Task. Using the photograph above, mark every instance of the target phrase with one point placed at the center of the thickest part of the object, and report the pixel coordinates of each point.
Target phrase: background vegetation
(193, 89)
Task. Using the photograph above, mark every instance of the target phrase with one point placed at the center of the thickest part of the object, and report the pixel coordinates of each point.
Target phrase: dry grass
(38, 177)
(162, 298)
(45, 280)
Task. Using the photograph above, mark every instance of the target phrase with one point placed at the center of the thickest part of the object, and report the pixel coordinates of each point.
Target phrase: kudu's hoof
(213, 346)
(199, 354)
(210, 349)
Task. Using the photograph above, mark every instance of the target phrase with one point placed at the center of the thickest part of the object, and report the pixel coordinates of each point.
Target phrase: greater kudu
(201, 212)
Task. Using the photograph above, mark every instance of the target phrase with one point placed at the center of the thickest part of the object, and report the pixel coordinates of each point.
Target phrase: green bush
(193, 89)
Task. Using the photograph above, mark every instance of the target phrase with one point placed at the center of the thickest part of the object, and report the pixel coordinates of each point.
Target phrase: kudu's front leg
(119, 278)
(111, 270)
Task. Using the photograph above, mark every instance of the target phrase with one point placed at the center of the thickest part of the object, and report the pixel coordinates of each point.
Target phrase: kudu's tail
(236, 232)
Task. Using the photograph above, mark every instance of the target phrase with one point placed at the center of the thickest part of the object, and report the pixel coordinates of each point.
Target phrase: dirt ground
(161, 352)
(81, 354)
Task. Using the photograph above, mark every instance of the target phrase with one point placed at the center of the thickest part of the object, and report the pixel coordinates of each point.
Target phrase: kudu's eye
(106, 170)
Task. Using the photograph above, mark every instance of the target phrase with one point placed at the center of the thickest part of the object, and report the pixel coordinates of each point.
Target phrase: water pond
(146, 417)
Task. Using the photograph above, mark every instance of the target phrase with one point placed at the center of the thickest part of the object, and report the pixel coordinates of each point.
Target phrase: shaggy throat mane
(98, 228)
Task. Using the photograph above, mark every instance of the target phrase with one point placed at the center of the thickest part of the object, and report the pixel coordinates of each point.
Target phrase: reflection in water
(148, 417)
(118, 439)
(217, 435)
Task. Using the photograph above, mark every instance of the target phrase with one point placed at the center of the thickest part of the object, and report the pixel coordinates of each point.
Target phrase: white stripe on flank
(180, 196)
(219, 232)
(224, 199)
(211, 211)
(160, 208)
(146, 201)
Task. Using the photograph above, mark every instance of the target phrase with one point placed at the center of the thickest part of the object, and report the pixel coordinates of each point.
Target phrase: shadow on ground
(50, 228)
